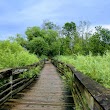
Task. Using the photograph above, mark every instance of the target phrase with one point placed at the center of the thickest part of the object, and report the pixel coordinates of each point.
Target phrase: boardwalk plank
(48, 93)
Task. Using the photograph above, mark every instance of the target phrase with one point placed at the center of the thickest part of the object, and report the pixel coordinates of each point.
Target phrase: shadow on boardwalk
(46, 93)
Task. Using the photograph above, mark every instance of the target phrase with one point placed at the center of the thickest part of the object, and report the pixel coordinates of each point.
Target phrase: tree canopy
(73, 39)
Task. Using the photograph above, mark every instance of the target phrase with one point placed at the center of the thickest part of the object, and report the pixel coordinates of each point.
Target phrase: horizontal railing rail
(87, 93)
(12, 83)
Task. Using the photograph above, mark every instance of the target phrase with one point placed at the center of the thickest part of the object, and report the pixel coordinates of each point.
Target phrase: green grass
(31, 73)
(96, 67)
(13, 55)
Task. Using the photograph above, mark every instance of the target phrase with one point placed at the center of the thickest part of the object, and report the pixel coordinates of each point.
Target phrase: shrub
(96, 67)
(13, 55)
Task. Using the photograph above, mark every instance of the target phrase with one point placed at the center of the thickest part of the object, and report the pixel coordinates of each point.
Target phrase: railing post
(11, 84)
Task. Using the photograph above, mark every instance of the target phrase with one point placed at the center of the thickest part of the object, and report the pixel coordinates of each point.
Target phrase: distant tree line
(51, 40)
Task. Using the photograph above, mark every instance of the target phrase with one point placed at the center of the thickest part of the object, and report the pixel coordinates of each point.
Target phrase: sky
(17, 15)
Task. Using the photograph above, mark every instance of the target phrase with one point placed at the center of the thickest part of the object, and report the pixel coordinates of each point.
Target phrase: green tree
(38, 46)
(41, 40)
(81, 38)
(50, 36)
(83, 29)
(55, 48)
(65, 46)
(49, 25)
(69, 29)
(104, 34)
(32, 32)
(96, 46)
(99, 43)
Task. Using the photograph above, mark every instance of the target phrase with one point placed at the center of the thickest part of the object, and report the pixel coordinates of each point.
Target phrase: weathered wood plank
(87, 90)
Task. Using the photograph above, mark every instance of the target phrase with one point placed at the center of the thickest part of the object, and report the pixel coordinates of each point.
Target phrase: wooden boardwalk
(45, 93)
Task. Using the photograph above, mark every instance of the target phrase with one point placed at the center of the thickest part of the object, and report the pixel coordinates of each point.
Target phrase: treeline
(51, 39)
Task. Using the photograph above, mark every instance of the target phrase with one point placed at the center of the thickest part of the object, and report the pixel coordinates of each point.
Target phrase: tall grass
(13, 55)
(96, 67)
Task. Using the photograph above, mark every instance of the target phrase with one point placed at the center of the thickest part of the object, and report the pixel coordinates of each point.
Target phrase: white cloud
(19, 14)
(43, 9)
(36, 12)
(106, 26)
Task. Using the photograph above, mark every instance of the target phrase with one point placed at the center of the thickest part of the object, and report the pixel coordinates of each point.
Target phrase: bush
(96, 67)
(31, 73)
(13, 55)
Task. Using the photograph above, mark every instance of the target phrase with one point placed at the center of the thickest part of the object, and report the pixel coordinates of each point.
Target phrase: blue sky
(17, 15)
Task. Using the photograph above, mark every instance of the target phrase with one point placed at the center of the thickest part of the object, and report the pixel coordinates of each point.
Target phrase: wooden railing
(12, 83)
(87, 94)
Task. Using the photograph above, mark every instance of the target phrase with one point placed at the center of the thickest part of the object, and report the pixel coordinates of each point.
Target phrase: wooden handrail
(87, 93)
(14, 83)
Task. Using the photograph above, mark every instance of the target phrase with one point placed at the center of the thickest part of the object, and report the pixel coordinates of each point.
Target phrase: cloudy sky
(17, 15)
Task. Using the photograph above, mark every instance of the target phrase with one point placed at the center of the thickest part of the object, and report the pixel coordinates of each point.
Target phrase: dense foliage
(13, 55)
(50, 40)
(97, 67)
(31, 73)
(70, 39)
